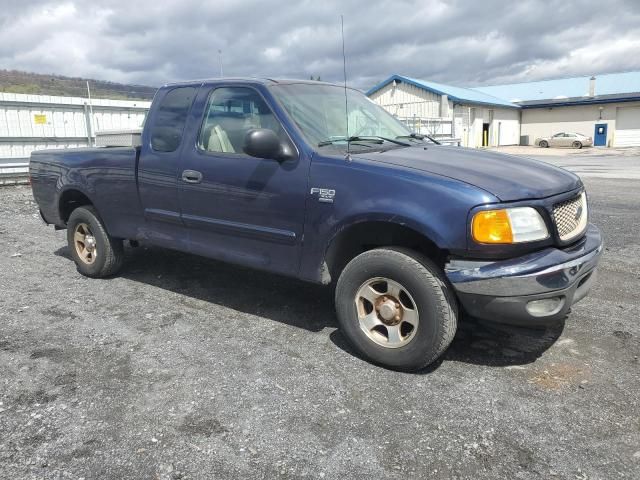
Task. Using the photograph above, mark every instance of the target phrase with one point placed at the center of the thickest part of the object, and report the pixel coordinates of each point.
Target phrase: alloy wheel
(387, 313)
(85, 243)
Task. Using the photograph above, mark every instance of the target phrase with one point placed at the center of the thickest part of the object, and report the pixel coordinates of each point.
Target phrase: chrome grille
(570, 217)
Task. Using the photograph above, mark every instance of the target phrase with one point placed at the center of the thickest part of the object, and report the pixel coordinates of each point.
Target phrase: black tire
(543, 144)
(577, 145)
(429, 289)
(110, 251)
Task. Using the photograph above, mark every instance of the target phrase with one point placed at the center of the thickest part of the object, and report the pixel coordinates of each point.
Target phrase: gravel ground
(186, 368)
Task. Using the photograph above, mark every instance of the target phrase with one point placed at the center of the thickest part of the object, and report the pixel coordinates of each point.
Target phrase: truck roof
(264, 81)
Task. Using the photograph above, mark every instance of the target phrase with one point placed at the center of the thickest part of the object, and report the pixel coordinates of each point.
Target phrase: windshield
(319, 111)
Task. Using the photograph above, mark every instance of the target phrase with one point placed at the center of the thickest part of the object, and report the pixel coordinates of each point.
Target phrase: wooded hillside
(14, 81)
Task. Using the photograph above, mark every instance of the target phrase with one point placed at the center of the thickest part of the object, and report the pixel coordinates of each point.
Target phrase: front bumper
(537, 289)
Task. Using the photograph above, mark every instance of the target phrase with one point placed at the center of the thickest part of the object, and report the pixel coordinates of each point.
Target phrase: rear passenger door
(158, 166)
(240, 208)
(569, 138)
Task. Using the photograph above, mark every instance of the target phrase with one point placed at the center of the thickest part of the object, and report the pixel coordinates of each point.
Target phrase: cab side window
(230, 114)
(168, 125)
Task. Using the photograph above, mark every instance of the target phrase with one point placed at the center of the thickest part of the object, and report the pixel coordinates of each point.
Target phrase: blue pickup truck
(315, 181)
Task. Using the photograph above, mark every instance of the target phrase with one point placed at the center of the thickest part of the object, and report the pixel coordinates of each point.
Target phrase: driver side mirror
(265, 143)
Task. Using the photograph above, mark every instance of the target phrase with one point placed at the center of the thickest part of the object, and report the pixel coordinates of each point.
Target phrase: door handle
(191, 176)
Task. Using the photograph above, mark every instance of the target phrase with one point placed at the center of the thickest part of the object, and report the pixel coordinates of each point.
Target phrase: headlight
(508, 225)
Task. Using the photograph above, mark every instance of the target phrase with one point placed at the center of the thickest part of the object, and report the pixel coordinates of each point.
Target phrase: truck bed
(106, 175)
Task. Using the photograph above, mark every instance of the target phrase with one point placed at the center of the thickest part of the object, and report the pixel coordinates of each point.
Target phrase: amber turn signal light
(492, 226)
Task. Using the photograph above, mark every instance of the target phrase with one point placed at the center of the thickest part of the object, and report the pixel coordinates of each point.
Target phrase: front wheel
(543, 144)
(577, 144)
(396, 308)
(95, 252)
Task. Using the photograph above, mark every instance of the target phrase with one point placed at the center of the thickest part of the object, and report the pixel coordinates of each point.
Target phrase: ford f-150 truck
(315, 181)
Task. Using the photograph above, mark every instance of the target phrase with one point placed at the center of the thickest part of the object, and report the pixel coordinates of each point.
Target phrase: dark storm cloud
(461, 42)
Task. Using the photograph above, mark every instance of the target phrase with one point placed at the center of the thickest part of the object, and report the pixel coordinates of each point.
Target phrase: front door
(236, 207)
(600, 136)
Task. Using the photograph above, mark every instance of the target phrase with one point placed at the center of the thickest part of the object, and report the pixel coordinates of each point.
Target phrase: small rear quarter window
(168, 125)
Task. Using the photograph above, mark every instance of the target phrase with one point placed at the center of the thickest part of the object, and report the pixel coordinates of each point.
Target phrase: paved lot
(587, 162)
(187, 368)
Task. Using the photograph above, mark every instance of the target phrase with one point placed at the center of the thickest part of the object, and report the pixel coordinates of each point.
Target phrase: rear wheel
(543, 144)
(95, 252)
(396, 308)
(577, 144)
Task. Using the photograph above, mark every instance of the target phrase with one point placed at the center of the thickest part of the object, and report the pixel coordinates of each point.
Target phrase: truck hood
(507, 177)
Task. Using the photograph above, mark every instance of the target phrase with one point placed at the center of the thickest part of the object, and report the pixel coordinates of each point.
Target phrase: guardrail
(14, 171)
(449, 141)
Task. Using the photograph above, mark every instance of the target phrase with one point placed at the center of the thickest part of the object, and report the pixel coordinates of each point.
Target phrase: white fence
(35, 122)
(434, 127)
(440, 129)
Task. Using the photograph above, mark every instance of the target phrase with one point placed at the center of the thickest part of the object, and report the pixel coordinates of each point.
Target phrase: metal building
(33, 122)
(606, 107)
(475, 118)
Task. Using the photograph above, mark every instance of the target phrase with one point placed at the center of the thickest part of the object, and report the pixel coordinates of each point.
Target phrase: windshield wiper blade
(419, 136)
(333, 140)
(385, 139)
(362, 138)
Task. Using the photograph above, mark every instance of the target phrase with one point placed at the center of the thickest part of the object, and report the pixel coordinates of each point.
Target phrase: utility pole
(220, 59)
(90, 122)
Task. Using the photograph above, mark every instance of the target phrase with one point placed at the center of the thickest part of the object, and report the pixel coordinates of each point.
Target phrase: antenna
(344, 71)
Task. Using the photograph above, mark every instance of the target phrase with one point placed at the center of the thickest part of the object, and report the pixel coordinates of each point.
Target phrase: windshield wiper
(419, 136)
(333, 140)
(362, 138)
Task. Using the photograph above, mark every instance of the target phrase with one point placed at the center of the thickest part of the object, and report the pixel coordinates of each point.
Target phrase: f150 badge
(325, 195)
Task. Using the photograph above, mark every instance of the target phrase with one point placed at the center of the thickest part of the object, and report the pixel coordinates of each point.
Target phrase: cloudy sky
(464, 42)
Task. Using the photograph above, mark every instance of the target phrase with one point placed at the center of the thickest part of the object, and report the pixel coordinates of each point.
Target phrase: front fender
(434, 206)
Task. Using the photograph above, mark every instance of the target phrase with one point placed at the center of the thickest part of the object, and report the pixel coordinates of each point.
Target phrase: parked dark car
(277, 176)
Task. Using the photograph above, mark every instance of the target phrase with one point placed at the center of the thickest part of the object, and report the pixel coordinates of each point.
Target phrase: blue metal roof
(456, 94)
(608, 84)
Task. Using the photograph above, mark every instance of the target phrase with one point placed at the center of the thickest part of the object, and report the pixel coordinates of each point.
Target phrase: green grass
(12, 81)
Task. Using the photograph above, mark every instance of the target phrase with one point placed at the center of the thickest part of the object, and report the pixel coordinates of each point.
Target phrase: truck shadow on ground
(309, 306)
(482, 344)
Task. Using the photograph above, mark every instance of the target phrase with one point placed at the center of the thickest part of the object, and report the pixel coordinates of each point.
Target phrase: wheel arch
(70, 199)
(360, 236)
